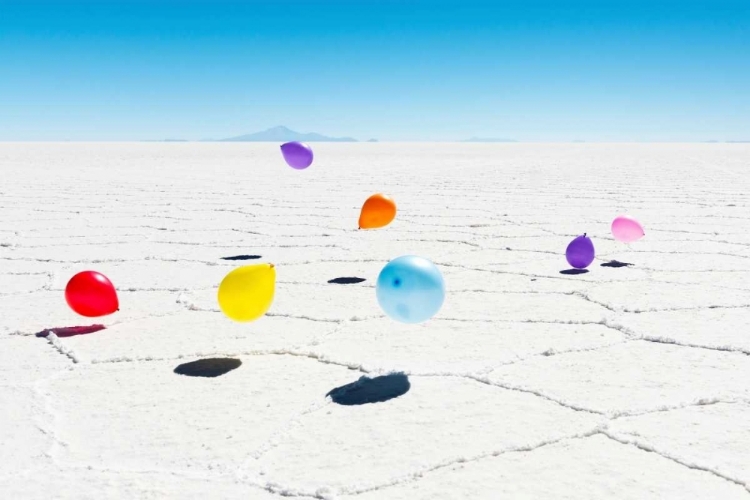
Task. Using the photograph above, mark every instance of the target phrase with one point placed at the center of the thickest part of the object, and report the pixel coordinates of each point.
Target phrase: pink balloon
(626, 229)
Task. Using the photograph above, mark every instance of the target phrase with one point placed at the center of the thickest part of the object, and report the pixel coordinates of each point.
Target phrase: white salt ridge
(54, 340)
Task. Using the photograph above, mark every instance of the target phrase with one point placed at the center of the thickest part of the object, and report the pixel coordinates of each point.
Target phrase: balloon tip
(272, 265)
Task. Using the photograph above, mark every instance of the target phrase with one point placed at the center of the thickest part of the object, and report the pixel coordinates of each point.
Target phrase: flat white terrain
(629, 382)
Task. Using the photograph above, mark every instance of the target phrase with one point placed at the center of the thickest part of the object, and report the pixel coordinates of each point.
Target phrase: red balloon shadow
(71, 331)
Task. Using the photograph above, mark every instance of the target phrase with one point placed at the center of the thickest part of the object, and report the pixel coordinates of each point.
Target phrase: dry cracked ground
(629, 381)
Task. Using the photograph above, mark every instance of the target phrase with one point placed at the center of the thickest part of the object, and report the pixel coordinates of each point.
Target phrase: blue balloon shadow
(371, 390)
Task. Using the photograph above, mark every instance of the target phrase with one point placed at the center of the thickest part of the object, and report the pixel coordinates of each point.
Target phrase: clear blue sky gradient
(394, 70)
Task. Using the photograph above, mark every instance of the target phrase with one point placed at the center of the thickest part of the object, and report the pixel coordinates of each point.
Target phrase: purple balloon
(580, 252)
(297, 155)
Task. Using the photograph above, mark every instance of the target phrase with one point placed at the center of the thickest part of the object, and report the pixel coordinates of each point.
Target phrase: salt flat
(624, 382)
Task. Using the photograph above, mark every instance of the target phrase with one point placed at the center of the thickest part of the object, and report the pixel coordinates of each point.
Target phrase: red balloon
(91, 294)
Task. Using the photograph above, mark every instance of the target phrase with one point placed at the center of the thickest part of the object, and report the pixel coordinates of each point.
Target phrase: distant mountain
(372, 140)
(283, 134)
(488, 139)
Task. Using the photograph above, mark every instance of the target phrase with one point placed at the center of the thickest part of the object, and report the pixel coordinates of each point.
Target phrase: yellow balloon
(246, 293)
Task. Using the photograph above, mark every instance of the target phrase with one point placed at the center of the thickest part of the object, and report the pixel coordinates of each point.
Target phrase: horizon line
(378, 141)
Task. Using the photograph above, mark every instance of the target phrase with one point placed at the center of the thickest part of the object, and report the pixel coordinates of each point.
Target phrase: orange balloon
(378, 211)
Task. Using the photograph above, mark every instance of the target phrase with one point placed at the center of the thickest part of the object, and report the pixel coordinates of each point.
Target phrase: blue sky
(394, 70)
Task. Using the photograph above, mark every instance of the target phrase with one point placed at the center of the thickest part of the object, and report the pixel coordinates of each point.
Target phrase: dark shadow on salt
(574, 272)
(616, 263)
(241, 257)
(346, 280)
(71, 331)
(371, 390)
(210, 367)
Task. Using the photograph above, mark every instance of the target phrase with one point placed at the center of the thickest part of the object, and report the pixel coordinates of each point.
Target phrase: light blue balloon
(410, 289)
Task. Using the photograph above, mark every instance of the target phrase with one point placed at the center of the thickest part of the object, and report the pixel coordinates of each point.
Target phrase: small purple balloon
(297, 155)
(580, 252)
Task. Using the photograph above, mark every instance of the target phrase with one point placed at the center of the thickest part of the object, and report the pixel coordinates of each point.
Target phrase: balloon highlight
(91, 294)
(410, 289)
(297, 155)
(580, 252)
(626, 229)
(246, 293)
(379, 210)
